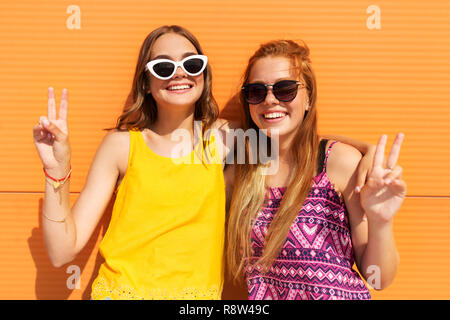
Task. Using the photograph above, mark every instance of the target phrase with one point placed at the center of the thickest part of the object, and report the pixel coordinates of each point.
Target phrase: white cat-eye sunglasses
(165, 68)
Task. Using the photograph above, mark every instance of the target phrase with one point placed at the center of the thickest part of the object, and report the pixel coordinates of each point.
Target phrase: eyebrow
(164, 56)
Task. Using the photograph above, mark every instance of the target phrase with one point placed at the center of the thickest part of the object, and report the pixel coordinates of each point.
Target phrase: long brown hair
(140, 110)
(250, 186)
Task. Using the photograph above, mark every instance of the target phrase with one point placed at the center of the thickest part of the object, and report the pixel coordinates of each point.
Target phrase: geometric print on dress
(317, 256)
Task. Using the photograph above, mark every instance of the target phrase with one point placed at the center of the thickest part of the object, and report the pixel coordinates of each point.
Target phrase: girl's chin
(180, 101)
(282, 131)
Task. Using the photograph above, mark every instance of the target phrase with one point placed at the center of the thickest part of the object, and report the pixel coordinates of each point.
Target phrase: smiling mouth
(179, 87)
(274, 115)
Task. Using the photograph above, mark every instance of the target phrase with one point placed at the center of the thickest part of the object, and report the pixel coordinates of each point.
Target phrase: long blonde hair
(250, 186)
(140, 109)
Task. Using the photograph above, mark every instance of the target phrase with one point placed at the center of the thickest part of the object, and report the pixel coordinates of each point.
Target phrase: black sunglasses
(284, 90)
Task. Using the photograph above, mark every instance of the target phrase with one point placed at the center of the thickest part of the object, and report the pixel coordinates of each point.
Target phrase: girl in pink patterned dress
(296, 234)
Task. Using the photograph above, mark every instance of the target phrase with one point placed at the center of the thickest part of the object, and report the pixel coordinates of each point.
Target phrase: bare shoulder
(116, 144)
(342, 163)
(117, 138)
(343, 156)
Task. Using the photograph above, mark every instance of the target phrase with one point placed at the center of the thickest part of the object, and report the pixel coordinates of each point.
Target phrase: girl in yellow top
(166, 235)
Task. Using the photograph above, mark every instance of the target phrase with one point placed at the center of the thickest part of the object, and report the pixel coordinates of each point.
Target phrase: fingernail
(387, 181)
(46, 122)
(357, 189)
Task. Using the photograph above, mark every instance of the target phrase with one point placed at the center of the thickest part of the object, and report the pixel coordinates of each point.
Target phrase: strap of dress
(326, 155)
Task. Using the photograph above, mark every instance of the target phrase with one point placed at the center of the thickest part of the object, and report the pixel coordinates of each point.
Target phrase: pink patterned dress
(317, 257)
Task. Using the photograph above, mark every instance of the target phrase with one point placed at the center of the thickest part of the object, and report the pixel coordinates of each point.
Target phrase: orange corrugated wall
(371, 81)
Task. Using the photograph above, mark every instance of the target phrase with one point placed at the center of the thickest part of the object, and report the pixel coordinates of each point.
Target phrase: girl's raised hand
(384, 191)
(51, 136)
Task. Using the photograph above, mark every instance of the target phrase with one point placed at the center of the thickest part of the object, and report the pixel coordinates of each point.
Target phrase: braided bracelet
(58, 182)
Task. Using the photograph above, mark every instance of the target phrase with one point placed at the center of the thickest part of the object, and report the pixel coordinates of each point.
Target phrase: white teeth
(274, 115)
(180, 87)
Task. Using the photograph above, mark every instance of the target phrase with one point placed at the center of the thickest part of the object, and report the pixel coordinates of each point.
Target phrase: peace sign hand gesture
(383, 194)
(51, 136)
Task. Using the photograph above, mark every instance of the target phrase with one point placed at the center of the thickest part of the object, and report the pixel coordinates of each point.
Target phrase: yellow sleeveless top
(166, 235)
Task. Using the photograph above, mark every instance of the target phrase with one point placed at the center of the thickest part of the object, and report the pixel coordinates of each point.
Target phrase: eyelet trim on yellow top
(101, 291)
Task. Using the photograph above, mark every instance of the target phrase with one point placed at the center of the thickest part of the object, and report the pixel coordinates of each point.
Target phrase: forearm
(380, 255)
(58, 224)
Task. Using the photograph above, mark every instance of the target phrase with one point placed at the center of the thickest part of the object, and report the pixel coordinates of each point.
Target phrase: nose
(270, 97)
(180, 72)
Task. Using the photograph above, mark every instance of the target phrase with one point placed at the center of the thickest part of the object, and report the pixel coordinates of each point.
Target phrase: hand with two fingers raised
(385, 190)
(51, 136)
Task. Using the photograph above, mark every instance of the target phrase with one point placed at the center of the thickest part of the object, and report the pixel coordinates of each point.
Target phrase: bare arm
(381, 198)
(372, 238)
(66, 230)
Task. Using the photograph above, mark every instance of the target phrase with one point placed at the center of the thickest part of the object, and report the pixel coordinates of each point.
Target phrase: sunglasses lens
(193, 66)
(255, 93)
(164, 69)
(285, 90)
